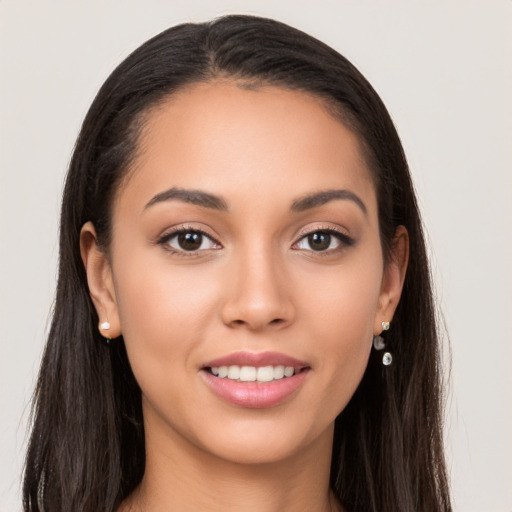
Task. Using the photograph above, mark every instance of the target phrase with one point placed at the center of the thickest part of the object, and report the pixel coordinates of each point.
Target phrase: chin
(266, 442)
(257, 452)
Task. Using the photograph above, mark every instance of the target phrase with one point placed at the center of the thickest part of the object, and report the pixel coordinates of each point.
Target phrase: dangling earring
(380, 344)
(105, 326)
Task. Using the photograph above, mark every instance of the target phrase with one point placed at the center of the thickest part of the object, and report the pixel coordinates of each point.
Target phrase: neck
(180, 476)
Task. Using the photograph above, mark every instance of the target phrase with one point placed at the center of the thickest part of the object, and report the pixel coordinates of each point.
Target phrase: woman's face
(246, 236)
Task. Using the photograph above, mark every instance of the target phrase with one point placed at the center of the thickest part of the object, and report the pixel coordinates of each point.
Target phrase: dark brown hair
(87, 451)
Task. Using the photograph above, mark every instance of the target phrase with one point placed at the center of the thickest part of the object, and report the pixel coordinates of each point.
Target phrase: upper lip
(256, 359)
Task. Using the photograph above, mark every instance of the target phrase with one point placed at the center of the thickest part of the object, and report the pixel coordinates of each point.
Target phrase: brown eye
(323, 240)
(190, 241)
(319, 241)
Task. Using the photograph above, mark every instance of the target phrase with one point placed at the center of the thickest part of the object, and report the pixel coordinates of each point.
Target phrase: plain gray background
(444, 69)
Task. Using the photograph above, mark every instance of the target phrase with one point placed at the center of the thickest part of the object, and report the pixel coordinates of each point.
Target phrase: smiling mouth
(254, 373)
(255, 380)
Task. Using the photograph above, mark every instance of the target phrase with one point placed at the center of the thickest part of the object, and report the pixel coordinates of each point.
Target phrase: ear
(100, 281)
(393, 279)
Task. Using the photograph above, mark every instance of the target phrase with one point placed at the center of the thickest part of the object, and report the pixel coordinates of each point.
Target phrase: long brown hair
(86, 451)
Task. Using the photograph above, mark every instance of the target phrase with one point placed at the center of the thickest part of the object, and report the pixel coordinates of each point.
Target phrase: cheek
(339, 313)
(153, 293)
(343, 300)
(164, 311)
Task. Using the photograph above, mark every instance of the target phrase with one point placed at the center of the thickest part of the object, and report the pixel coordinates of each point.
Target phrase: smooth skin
(256, 280)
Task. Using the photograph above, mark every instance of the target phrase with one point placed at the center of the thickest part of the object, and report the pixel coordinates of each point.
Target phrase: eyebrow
(323, 197)
(196, 197)
(206, 200)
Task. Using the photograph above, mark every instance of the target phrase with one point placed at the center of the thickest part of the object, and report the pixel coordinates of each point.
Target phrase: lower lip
(255, 395)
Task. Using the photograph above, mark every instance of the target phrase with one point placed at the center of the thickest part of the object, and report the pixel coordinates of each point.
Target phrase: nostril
(274, 322)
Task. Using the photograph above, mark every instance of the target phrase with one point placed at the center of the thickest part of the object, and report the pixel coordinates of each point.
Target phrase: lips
(254, 380)
(256, 359)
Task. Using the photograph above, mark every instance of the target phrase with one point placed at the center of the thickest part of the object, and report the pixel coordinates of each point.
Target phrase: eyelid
(344, 239)
(184, 228)
(323, 228)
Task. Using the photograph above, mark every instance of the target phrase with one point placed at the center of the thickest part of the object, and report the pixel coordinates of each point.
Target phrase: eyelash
(167, 237)
(343, 238)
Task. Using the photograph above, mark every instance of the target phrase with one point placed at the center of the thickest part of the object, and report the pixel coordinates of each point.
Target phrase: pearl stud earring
(105, 326)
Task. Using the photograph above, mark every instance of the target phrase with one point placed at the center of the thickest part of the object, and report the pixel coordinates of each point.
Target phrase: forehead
(224, 138)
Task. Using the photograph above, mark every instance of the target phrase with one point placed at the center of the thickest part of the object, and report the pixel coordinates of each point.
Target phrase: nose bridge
(258, 295)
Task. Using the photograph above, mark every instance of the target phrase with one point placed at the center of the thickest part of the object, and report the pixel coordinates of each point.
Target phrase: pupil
(190, 241)
(319, 241)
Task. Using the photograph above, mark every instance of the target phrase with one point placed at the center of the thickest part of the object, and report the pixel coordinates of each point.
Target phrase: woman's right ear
(100, 282)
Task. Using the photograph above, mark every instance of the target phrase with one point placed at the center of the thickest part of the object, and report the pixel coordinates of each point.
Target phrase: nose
(259, 295)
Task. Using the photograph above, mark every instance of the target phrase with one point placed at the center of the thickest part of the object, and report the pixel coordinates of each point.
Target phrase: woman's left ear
(393, 279)
(100, 282)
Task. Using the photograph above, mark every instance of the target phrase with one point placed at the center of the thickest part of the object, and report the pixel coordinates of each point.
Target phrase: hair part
(86, 450)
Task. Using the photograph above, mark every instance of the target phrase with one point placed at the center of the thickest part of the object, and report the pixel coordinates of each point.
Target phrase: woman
(244, 317)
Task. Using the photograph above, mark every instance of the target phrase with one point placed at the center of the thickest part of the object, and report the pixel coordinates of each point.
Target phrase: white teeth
(234, 372)
(247, 374)
(253, 373)
(265, 374)
(288, 371)
(278, 372)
